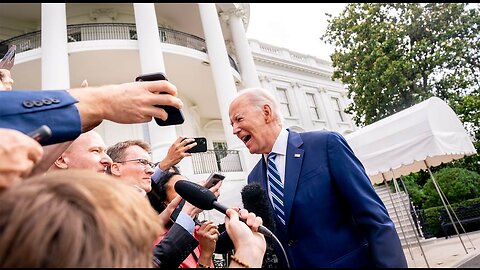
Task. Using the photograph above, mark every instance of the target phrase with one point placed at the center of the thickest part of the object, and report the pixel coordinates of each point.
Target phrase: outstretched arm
(71, 112)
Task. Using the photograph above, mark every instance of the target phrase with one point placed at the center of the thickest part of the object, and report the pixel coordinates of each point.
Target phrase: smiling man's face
(88, 151)
(132, 168)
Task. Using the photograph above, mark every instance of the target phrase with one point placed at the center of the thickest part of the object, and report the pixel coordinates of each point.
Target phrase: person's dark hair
(158, 195)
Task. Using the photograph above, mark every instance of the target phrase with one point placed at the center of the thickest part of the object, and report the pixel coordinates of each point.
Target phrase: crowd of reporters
(308, 193)
(71, 201)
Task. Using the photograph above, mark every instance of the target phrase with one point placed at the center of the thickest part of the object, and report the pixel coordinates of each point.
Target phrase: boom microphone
(255, 200)
(204, 199)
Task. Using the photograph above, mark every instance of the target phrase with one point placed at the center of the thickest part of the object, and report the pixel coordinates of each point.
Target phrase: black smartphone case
(200, 147)
(175, 116)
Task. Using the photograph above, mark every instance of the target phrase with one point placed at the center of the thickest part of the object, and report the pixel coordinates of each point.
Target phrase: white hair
(259, 96)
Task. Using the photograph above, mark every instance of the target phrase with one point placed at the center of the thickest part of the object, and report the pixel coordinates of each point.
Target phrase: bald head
(88, 151)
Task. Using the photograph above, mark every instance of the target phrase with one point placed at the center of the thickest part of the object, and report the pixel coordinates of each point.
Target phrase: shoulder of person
(318, 134)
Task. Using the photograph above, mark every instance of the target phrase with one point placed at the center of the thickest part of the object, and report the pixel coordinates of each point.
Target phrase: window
(312, 106)
(338, 109)
(219, 146)
(283, 99)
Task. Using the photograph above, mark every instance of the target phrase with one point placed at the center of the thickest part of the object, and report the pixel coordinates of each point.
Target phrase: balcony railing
(111, 31)
(216, 160)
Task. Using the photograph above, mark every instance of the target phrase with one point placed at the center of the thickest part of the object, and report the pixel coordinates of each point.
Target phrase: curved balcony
(109, 31)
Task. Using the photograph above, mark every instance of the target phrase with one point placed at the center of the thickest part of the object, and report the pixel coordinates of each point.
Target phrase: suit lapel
(293, 166)
(263, 173)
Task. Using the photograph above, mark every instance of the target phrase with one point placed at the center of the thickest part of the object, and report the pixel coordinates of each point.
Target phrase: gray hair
(259, 96)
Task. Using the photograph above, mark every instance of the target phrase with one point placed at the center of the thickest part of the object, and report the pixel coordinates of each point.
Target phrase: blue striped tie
(276, 187)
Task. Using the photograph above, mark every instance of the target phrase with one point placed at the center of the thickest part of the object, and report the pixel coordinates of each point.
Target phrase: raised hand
(207, 236)
(18, 155)
(176, 152)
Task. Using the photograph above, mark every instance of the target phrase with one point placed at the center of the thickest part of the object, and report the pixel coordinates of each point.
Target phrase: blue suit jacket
(27, 110)
(334, 217)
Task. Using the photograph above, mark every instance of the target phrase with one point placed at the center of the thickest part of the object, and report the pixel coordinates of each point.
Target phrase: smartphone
(200, 147)
(41, 134)
(213, 179)
(175, 116)
(177, 210)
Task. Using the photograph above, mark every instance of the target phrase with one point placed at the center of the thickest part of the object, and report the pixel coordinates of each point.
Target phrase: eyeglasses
(142, 162)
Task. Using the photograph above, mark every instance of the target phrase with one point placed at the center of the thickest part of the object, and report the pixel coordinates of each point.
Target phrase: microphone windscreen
(195, 194)
(254, 199)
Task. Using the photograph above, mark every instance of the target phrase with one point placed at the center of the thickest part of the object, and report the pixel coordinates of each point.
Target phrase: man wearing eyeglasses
(132, 163)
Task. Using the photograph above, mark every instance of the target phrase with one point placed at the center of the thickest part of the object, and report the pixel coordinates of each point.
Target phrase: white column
(55, 67)
(325, 99)
(304, 114)
(151, 60)
(242, 48)
(149, 45)
(222, 76)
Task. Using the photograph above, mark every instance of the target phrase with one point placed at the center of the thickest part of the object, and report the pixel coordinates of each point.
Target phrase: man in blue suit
(330, 214)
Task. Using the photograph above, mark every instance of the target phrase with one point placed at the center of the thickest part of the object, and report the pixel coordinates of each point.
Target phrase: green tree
(469, 111)
(392, 56)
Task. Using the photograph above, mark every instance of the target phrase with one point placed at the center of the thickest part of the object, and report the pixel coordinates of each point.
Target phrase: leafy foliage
(414, 189)
(392, 56)
(456, 183)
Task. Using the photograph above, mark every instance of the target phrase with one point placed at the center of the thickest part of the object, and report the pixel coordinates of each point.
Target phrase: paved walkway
(445, 253)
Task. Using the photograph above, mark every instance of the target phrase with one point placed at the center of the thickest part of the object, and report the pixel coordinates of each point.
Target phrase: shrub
(431, 225)
(457, 184)
(414, 190)
(431, 218)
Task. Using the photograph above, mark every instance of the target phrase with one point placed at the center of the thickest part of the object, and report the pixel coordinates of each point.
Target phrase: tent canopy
(427, 132)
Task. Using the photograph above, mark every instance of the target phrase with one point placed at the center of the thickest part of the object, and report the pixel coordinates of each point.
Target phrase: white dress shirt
(280, 148)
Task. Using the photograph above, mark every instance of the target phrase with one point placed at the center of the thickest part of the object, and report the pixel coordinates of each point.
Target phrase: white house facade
(204, 51)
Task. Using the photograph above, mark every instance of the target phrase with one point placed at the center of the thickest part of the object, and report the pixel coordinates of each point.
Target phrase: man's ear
(267, 113)
(61, 162)
(115, 169)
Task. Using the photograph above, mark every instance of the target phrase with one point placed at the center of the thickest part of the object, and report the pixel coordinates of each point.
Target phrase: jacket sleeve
(368, 209)
(174, 248)
(25, 111)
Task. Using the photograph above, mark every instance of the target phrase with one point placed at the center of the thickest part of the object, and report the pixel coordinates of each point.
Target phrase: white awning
(427, 132)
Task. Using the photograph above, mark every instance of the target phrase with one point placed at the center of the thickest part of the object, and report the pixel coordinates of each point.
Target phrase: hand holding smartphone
(41, 134)
(200, 147)
(175, 116)
(213, 179)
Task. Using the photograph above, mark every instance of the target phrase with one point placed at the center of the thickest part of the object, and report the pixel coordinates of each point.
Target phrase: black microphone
(204, 199)
(254, 199)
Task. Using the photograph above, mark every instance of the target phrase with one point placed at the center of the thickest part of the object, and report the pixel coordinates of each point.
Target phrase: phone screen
(213, 179)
